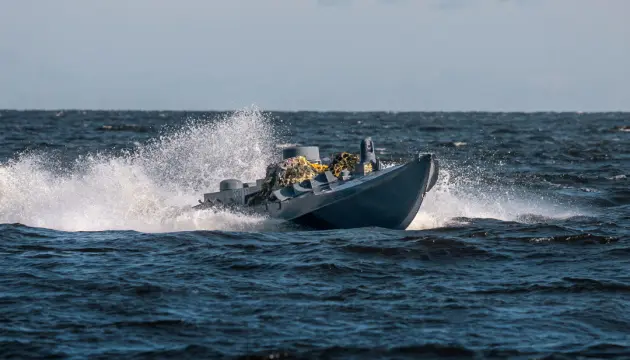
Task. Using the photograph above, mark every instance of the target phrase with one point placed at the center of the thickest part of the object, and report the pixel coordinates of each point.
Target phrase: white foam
(147, 189)
(464, 196)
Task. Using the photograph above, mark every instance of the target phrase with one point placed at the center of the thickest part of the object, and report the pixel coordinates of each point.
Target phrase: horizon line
(311, 110)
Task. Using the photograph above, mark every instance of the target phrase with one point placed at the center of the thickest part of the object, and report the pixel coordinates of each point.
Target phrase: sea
(520, 251)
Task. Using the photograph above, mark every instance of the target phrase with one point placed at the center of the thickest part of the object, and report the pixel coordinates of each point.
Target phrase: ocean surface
(521, 250)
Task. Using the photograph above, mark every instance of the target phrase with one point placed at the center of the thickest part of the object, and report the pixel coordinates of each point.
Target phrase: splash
(148, 189)
(460, 194)
(152, 188)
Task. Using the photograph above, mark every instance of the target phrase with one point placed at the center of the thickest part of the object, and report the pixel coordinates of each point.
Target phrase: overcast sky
(316, 54)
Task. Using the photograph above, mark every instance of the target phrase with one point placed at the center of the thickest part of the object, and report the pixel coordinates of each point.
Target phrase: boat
(364, 193)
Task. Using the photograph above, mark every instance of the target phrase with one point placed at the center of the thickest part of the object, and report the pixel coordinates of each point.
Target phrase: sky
(352, 55)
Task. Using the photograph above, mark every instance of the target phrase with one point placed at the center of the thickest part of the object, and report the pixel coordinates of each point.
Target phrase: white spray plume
(144, 190)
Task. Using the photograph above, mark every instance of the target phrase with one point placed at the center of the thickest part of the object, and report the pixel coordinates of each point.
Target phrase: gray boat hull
(389, 198)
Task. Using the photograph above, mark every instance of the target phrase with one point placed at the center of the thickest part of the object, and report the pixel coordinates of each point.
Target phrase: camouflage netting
(343, 161)
(287, 172)
(297, 169)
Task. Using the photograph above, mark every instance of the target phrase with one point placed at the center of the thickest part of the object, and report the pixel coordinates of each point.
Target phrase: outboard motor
(311, 153)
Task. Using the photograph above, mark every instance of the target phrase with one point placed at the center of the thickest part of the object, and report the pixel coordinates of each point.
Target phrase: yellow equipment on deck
(297, 169)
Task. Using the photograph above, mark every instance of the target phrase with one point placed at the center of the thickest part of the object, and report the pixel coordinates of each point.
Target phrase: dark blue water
(521, 250)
